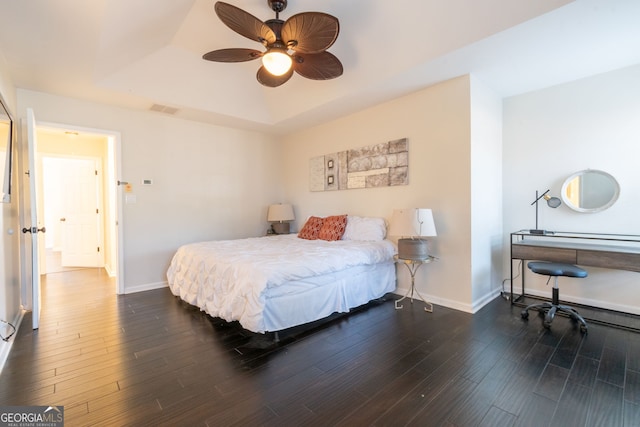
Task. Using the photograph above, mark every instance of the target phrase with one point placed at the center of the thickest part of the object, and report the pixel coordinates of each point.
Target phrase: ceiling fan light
(276, 61)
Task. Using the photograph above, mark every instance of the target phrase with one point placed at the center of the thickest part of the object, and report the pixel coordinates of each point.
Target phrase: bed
(272, 283)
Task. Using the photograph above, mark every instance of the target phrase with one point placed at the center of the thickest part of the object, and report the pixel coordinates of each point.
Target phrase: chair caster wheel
(547, 324)
(583, 329)
(524, 314)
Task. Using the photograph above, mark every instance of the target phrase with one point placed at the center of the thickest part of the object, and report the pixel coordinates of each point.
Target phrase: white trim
(146, 287)
(5, 347)
(456, 305)
(481, 302)
(109, 270)
(588, 302)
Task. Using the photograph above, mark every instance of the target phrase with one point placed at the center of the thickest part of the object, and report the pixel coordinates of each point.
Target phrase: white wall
(437, 123)
(209, 182)
(486, 192)
(9, 237)
(552, 133)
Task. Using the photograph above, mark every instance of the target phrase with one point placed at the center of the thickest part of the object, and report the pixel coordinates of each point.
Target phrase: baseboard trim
(145, 287)
(481, 302)
(109, 270)
(5, 346)
(456, 305)
(588, 302)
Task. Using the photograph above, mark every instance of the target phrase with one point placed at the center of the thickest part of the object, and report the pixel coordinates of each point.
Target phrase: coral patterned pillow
(311, 228)
(333, 227)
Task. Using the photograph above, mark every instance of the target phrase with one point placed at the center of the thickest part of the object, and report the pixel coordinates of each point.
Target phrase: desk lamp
(552, 202)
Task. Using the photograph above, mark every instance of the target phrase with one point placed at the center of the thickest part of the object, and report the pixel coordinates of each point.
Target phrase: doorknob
(63, 219)
(34, 230)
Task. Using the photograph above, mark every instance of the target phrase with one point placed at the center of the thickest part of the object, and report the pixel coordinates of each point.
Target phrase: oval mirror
(590, 190)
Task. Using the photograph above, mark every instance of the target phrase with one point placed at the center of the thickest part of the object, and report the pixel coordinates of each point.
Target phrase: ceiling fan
(298, 44)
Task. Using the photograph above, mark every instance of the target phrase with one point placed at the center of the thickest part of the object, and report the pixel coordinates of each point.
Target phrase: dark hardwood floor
(149, 359)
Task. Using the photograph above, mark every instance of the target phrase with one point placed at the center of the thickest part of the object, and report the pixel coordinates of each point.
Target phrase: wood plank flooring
(150, 359)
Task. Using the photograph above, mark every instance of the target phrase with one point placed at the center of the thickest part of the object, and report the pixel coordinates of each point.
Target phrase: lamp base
(540, 232)
(281, 227)
(415, 249)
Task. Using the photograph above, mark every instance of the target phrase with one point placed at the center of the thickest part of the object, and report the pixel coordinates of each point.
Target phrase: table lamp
(278, 215)
(412, 225)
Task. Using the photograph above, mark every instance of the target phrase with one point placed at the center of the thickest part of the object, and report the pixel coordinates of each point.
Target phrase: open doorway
(73, 212)
(78, 200)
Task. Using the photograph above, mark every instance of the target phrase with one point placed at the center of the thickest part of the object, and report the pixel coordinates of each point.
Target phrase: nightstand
(413, 265)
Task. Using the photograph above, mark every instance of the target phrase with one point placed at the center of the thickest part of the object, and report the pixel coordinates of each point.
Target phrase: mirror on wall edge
(6, 139)
(590, 190)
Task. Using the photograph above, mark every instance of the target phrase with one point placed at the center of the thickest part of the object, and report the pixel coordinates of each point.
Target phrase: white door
(35, 227)
(81, 223)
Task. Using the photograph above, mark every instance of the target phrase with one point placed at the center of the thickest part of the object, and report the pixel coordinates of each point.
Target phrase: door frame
(113, 192)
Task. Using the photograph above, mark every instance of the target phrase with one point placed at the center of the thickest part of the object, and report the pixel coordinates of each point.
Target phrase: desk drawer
(615, 260)
(543, 253)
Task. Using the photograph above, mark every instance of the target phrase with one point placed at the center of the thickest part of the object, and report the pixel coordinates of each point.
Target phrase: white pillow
(363, 228)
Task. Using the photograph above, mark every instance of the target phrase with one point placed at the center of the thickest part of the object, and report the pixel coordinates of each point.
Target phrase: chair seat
(556, 269)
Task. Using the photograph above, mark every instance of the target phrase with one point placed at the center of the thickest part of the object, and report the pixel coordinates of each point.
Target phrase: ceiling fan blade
(244, 23)
(232, 55)
(310, 32)
(318, 66)
(267, 79)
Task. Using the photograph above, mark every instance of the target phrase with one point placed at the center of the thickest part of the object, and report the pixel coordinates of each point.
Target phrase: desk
(614, 251)
(413, 265)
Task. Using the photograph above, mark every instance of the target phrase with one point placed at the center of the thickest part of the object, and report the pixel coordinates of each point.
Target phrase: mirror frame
(8, 173)
(607, 205)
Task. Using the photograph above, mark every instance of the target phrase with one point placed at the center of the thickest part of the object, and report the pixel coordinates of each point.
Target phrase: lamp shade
(277, 61)
(412, 222)
(280, 212)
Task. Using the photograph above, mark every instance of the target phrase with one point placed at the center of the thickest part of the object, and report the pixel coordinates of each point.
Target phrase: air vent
(163, 109)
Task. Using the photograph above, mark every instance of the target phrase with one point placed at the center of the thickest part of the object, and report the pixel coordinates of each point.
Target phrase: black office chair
(555, 269)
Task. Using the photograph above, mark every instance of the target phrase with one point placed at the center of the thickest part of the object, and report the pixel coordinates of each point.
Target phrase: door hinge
(97, 211)
(98, 248)
(96, 171)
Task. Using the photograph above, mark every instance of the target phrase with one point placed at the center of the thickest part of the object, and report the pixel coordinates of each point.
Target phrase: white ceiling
(136, 53)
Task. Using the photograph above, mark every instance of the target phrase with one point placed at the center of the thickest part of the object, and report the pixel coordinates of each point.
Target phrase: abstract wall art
(381, 165)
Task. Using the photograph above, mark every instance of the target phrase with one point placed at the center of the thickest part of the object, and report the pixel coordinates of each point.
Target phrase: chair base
(550, 311)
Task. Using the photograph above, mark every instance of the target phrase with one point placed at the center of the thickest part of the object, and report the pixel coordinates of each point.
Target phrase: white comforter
(229, 278)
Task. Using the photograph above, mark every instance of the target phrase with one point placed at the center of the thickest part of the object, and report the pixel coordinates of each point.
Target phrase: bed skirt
(303, 301)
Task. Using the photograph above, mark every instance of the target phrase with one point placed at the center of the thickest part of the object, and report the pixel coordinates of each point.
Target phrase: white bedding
(232, 279)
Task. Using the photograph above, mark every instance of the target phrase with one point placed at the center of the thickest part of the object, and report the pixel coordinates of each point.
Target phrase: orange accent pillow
(311, 228)
(333, 227)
